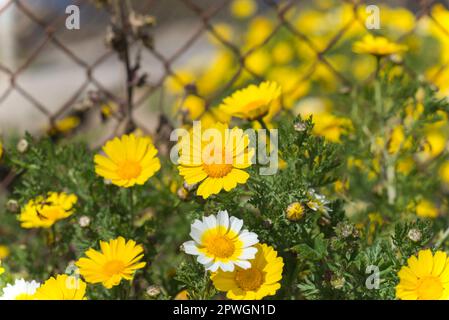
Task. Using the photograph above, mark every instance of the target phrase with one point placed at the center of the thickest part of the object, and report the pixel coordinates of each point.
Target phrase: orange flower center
(219, 166)
(129, 169)
(250, 279)
(430, 288)
(217, 170)
(113, 267)
(220, 246)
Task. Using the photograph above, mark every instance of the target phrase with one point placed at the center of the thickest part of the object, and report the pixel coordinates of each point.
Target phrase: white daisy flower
(20, 290)
(219, 242)
(318, 202)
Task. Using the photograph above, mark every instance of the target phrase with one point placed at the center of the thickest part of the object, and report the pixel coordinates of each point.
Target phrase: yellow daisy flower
(43, 212)
(220, 243)
(63, 287)
(295, 211)
(4, 252)
(118, 259)
(253, 102)
(377, 46)
(219, 169)
(255, 283)
(426, 277)
(2, 270)
(243, 8)
(129, 160)
(426, 209)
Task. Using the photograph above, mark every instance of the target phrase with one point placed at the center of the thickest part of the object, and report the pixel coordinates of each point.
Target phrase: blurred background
(47, 70)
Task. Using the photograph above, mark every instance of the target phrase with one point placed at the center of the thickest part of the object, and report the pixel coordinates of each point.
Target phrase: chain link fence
(132, 91)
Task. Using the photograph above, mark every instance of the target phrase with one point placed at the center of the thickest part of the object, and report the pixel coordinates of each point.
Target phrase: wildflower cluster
(355, 206)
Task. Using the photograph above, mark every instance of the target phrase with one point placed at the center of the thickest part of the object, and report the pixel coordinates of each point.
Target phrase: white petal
(243, 264)
(210, 221)
(196, 234)
(203, 259)
(248, 238)
(248, 253)
(213, 267)
(227, 266)
(223, 219)
(236, 224)
(190, 248)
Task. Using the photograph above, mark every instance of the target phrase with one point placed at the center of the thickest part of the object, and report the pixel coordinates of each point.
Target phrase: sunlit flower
(43, 212)
(295, 211)
(444, 172)
(222, 167)
(2, 270)
(129, 160)
(258, 281)
(63, 287)
(220, 243)
(425, 277)
(20, 290)
(117, 260)
(243, 8)
(253, 102)
(318, 202)
(4, 252)
(426, 209)
(377, 46)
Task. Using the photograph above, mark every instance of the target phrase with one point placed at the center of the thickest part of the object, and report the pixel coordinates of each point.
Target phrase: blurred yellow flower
(255, 283)
(1, 150)
(243, 8)
(2, 270)
(224, 32)
(444, 173)
(330, 126)
(426, 209)
(4, 252)
(253, 102)
(129, 160)
(193, 107)
(425, 277)
(117, 260)
(43, 212)
(282, 52)
(223, 170)
(377, 46)
(63, 287)
(434, 145)
(398, 140)
(177, 82)
(258, 30)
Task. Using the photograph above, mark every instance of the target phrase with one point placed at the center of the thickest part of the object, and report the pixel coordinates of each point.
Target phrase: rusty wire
(205, 16)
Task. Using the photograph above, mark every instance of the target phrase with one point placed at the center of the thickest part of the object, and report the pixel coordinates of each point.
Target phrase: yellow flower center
(217, 170)
(220, 246)
(129, 170)
(113, 267)
(249, 279)
(430, 288)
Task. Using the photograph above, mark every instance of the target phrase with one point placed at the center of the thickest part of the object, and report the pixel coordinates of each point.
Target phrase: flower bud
(12, 206)
(153, 291)
(414, 235)
(84, 221)
(22, 145)
(295, 211)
